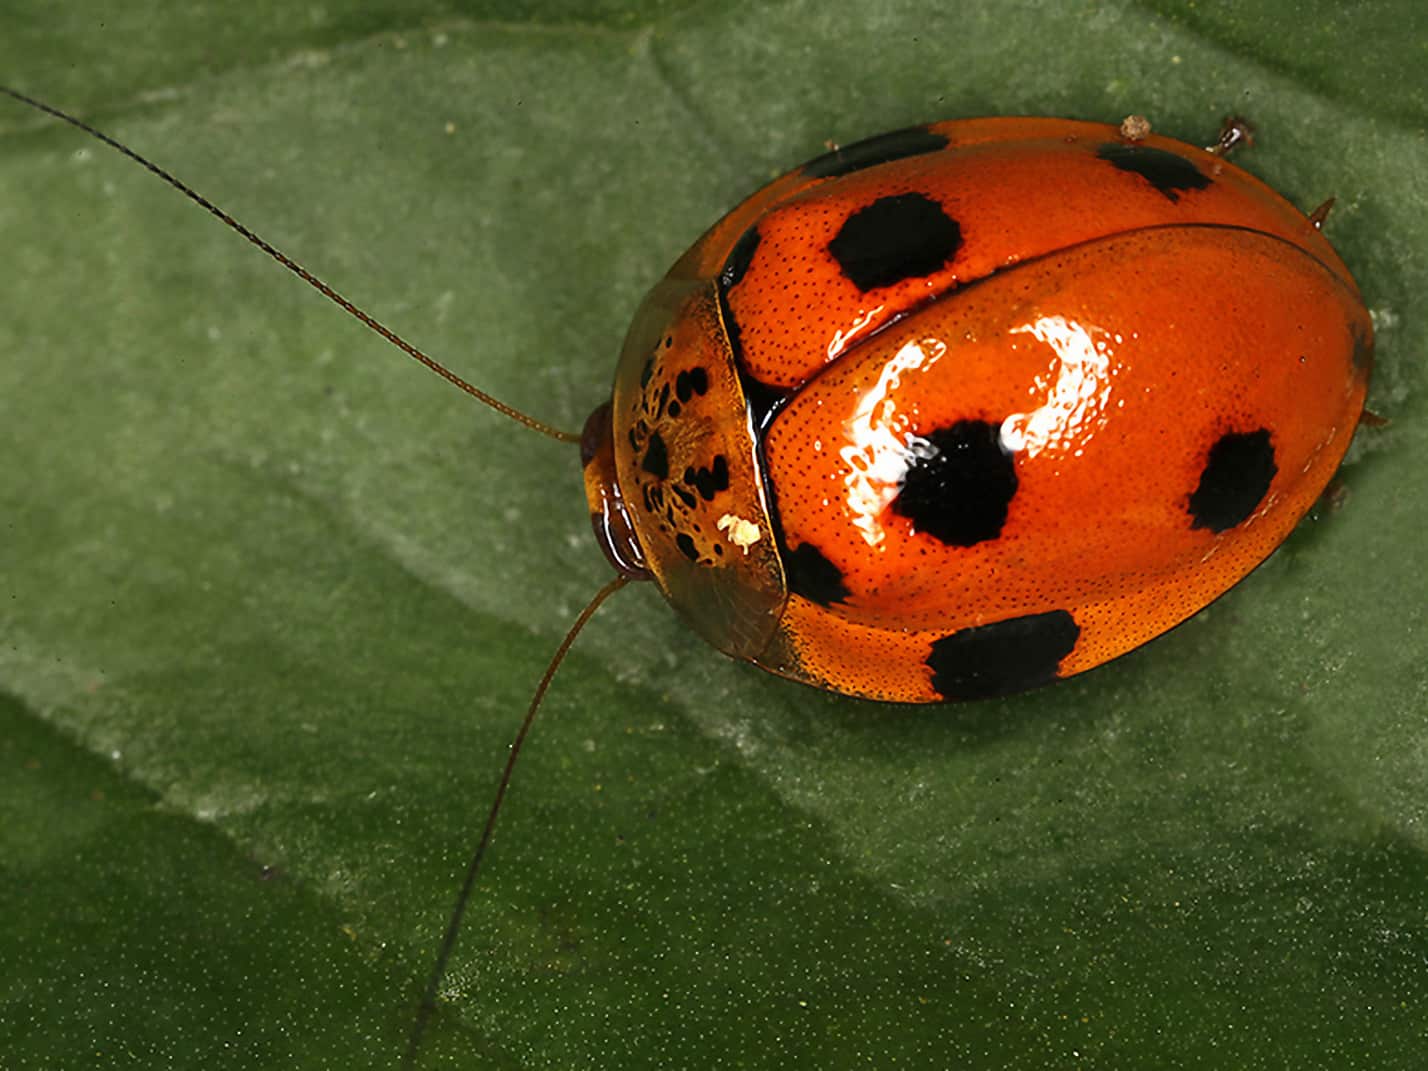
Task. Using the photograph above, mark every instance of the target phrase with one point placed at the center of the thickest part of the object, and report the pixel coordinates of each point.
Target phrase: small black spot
(959, 490)
(1363, 351)
(656, 459)
(688, 384)
(813, 576)
(905, 236)
(647, 372)
(1003, 657)
(898, 145)
(686, 497)
(673, 410)
(1235, 480)
(740, 257)
(709, 482)
(686, 546)
(1166, 171)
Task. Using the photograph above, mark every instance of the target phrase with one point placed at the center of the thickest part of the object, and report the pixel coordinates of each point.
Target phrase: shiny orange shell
(959, 410)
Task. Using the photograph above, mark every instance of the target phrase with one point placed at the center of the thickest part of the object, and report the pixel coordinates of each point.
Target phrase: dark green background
(272, 598)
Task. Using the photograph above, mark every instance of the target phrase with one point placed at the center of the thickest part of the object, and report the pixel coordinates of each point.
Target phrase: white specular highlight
(1077, 396)
(880, 441)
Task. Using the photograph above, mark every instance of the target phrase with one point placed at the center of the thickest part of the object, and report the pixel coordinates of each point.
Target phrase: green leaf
(274, 598)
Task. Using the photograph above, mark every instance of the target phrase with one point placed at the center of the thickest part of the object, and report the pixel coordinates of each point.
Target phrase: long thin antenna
(453, 924)
(301, 272)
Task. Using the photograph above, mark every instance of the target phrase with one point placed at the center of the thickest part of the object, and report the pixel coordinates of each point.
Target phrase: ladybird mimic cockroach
(957, 411)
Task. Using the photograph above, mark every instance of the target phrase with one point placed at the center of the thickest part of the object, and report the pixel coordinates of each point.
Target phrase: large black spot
(1003, 657)
(905, 236)
(898, 145)
(739, 259)
(1235, 480)
(686, 546)
(656, 459)
(1167, 172)
(959, 484)
(813, 576)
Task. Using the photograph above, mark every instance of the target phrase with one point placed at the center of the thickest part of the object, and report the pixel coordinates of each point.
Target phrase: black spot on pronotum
(709, 482)
(959, 484)
(686, 546)
(898, 145)
(1003, 657)
(1168, 173)
(813, 576)
(904, 236)
(739, 259)
(688, 384)
(656, 459)
(1234, 481)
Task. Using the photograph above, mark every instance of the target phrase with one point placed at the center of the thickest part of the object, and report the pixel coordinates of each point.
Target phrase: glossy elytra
(979, 405)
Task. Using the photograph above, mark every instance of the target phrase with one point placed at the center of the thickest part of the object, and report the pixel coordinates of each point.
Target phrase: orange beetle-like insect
(962, 409)
(959, 410)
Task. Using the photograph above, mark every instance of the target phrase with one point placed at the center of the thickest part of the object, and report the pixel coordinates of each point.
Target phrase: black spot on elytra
(739, 259)
(686, 497)
(647, 371)
(898, 145)
(1363, 351)
(813, 576)
(731, 329)
(686, 546)
(904, 236)
(709, 482)
(1235, 479)
(1003, 657)
(1168, 173)
(688, 384)
(959, 484)
(656, 459)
